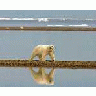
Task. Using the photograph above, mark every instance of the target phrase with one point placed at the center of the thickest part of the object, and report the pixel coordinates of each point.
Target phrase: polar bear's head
(51, 48)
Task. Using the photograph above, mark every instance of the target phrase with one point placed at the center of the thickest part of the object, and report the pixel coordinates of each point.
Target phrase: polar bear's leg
(40, 57)
(43, 56)
(32, 57)
(52, 56)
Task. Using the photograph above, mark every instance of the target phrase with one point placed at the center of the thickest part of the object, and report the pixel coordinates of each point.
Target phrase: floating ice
(82, 25)
(43, 19)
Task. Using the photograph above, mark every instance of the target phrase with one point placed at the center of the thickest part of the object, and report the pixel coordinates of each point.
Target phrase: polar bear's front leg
(52, 56)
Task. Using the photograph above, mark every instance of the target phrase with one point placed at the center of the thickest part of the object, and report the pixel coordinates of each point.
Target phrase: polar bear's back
(42, 45)
(40, 48)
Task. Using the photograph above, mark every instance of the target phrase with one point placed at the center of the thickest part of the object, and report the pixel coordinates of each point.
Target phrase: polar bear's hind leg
(40, 57)
(32, 57)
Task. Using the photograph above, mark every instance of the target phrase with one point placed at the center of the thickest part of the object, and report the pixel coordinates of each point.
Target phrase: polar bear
(41, 51)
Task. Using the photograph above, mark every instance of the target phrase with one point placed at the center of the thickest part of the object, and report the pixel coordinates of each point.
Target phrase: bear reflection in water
(41, 77)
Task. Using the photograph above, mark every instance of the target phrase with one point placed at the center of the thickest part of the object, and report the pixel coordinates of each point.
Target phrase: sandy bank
(56, 64)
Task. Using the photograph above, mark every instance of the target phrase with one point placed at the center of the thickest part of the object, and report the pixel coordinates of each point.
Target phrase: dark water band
(50, 28)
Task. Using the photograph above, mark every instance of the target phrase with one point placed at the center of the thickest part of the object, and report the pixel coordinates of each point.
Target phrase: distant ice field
(57, 22)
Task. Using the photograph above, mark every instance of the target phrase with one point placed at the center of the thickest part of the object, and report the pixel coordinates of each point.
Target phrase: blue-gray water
(70, 45)
(55, 18)
(22, 77)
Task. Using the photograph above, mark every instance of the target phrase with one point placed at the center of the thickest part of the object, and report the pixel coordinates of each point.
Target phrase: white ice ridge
(56, 25)
(82, 25)
(5, 18)
(18, 18)
(43, 19)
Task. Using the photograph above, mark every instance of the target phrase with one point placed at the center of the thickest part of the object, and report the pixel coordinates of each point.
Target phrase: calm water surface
(22, 77)
(70, 45)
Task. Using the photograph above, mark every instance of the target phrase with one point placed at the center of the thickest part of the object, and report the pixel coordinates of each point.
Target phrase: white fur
(42, 50)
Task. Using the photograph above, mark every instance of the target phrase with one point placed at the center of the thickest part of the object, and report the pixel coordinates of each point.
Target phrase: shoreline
(49, 28)
(56, 64)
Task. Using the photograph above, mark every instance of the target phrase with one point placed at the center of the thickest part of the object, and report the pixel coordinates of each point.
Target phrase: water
(53, 22)
(61, 18)
(22, 77)
(70, 46)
